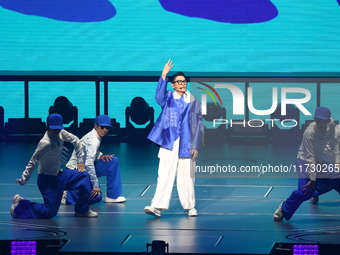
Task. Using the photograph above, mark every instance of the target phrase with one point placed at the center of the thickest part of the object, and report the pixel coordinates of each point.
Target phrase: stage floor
(235, 210)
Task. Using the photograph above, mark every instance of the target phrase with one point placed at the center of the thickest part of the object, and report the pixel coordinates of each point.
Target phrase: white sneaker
(192, 212)
(152, 211)
(15, 202)
(314, 200)
(88, 214)
(119, 199)
(278, 214)
(63, 199)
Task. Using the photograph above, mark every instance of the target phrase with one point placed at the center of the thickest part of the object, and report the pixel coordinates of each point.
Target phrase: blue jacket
(178, 119)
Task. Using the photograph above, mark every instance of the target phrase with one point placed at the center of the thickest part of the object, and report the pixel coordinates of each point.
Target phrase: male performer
(178, 131)
(52, 180)
(97, 165)
(323, 187)
(317, 163)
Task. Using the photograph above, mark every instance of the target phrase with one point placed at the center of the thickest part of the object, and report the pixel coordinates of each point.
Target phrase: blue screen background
(304, 36)
(258, 36)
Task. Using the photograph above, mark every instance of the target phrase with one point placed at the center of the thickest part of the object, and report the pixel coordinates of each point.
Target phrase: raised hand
(167, 69)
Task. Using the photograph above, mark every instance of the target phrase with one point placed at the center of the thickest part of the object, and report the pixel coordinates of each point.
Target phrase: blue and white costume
(96, 168)
(318, 149)
(178, 129)
(52, 180)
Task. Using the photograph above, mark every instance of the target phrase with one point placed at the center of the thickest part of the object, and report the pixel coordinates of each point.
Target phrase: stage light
(24, 247)
(158, 247)
(301, 249)
(31, 247)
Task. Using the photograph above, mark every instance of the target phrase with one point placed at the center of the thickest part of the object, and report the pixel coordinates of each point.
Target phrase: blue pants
(297, 197)
(322, 188)
(51, 188)
(109, 169)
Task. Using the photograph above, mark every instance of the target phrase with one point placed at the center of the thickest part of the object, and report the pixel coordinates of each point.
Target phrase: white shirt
(187, 97)
(315, 144)
(90, 142)
(48, 155)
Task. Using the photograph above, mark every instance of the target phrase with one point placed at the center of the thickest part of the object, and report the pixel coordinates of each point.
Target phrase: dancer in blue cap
(98, 165)
(52, 180)
(317, 163)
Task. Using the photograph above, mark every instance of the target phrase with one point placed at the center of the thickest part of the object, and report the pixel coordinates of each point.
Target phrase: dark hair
(178, 74)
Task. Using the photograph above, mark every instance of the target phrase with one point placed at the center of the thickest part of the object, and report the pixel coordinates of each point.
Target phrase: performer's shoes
(88, 214)
(63, 199)
(16, 199)
(152, 211)
(119, 199)
(278, 214)
(192, 212)
(314, 200)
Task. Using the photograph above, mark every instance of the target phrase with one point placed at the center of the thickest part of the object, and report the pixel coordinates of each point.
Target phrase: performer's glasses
(105, 127)
(179, 82)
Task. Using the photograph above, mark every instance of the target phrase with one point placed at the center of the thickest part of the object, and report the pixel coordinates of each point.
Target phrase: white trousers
(171, 166)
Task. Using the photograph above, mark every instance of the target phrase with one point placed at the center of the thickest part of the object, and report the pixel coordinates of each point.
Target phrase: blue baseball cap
(322, 113)
(55, 121)
(103, 120)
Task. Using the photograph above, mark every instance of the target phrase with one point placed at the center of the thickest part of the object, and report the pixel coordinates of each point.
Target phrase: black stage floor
(235, 210)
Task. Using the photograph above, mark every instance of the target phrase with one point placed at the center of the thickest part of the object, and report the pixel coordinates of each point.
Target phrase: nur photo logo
(244, 102)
